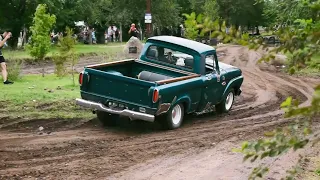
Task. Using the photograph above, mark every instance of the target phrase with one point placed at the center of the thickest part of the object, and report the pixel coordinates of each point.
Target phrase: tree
(166, 14)
(285, 12)
(192, 25)
(301, 39)
(281, 140)
(66, 54)
(14, 15)
(65, 48)
(211, 9)
(40, 39)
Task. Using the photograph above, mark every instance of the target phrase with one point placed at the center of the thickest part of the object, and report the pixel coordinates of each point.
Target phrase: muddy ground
(201, 149)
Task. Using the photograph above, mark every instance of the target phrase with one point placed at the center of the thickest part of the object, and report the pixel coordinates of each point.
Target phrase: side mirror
(218, 77)
(214, 71)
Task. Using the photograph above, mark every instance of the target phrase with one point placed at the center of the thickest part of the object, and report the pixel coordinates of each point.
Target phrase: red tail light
(155, 96)
(80, 78)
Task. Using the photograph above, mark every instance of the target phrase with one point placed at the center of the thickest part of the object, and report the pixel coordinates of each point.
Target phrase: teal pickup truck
(173, 77)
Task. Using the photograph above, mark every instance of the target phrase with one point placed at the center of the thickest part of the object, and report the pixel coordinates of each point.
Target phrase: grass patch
(79, 48)
(36, 97)
(313, 67)
(309, 72)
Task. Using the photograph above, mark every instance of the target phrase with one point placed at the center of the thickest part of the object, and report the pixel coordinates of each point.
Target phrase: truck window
(169, 56)
(210, 64)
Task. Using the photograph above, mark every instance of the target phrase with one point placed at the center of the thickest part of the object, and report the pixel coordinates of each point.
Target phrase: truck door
(214, 88)
(214, 83)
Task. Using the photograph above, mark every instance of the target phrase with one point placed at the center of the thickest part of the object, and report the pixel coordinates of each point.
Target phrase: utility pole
(148, 19)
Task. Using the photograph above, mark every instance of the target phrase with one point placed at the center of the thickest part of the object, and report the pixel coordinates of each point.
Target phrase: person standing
(93, 34)
(5, 36)
(133, 31)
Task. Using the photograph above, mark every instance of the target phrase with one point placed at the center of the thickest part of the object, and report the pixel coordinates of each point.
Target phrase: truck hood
(229, 70)
(227, 67)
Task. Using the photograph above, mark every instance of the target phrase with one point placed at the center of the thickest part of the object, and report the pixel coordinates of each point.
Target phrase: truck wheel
(174, 118)
(225, 105)
(107, 119)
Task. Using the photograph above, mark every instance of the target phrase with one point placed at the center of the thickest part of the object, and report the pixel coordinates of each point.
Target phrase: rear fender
(165, 107)
(186, 101)
(234, 83)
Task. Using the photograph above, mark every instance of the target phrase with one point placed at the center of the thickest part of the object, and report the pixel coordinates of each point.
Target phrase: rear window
(169, 56)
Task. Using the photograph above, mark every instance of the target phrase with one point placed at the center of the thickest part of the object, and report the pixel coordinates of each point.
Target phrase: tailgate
(117, 87)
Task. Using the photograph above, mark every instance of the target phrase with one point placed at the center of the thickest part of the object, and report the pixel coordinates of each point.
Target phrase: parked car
(173, 77)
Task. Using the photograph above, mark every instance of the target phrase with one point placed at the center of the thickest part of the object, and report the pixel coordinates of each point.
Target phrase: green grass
(29, 97)
(79, 48)
(312, 70)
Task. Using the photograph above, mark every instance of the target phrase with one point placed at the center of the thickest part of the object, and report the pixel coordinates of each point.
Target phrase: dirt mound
(84, 150)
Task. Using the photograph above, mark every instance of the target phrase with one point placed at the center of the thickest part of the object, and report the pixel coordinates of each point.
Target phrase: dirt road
(201, 149)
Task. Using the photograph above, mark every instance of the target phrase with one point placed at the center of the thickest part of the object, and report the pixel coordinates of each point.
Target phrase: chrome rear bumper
(125, 112)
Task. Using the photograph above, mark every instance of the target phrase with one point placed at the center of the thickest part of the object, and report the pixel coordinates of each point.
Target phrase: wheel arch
(185, 101)
(234, 84)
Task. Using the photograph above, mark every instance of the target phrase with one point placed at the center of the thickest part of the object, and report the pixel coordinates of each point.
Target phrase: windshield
(210, 60)
(169, 56)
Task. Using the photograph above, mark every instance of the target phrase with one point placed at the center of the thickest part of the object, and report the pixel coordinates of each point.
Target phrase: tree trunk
(120, 32)
(42, 64)
(43, 70)
(100, 35)
(24, 37)
(72, 72)
(90, 36)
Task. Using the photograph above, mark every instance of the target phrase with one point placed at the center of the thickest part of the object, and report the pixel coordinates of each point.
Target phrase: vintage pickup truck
(173, 77)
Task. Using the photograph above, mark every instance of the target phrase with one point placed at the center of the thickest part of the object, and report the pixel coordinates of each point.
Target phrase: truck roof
(197, 46)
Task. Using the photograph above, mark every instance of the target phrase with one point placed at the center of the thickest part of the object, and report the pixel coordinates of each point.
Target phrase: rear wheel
(174, 118)
(107, 119)
(225, 105)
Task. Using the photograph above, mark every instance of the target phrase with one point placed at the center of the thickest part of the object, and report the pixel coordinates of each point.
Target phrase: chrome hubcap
(176, 114)
(229, 101)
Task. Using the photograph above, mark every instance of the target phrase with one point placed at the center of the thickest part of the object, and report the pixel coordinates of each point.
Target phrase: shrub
(14, 69)
(60, 68)
(39, 44)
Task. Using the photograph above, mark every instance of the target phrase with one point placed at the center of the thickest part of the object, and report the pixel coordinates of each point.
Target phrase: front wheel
(107, 119)
(225, 105)
(174, 118)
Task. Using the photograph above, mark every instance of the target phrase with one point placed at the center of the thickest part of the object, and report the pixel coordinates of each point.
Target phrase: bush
(60, 68)
(14, 69)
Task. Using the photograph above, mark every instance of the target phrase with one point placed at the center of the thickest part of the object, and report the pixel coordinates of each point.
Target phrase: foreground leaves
(295, 136)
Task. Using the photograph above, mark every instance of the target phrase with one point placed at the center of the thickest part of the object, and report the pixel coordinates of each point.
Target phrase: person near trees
(133, 31)
(117, 34)
(5, 36)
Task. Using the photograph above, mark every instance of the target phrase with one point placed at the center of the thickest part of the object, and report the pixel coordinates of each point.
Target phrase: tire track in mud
(89, 151)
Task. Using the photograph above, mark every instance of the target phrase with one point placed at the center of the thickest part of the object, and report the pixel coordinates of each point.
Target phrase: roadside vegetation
(80, 49)
(298, 33)
(41, 98)
(299, 40)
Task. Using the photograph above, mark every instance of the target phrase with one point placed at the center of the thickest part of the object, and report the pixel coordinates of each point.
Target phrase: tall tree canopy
(16, 14)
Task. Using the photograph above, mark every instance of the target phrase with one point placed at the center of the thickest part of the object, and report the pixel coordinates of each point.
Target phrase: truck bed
(132, 68)
(128, 81)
